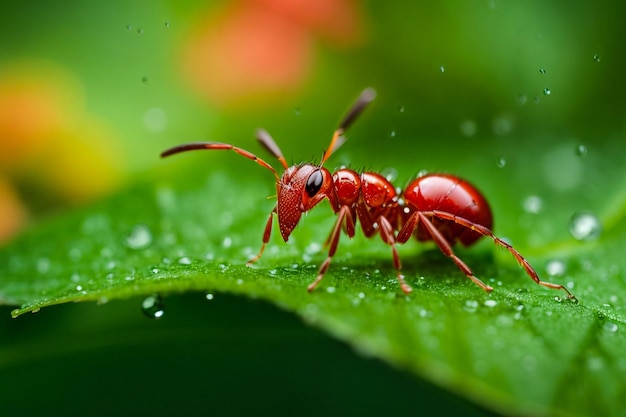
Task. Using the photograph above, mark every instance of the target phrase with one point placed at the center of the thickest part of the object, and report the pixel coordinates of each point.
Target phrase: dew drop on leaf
(501, 162)
(581, 150)
(585, 226)
(542, 71)
(470, 306)
(596, 58)
(184, 260)
(610, 327)
(152, 307)
(209, 296)
(140, 237)
(490, 303)
(168, 24)
(546, 92)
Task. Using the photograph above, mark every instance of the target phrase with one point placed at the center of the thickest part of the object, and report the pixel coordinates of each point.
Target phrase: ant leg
(386, 233)
(333, 241)
(446, 248)
(266, 237)
(520, 259)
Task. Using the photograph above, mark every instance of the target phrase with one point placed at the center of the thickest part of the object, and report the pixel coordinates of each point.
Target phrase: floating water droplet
(501, 162)
(227, 242)
(585, 226)
(155, 120)
(140, 237)
(596, 58)
(581, 150)
(392, 134)
(542, 71)
(442, 69)
(468, 128)
(401, 109)
(208, 296)
(502, 125)
(546, 92)
(532, 204)
(144, 80)
(361, 295)
(152, 307)
(43, 265)
(129, 27)
(490, 303)
(140, 31)
(610, 327)
(168, 24)
(556, 268)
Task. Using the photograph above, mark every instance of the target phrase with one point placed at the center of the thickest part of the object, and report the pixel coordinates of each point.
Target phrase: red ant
(437, 207)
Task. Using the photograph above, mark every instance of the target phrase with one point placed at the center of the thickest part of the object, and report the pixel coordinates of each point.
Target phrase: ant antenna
(268, 143)
(220, 146)
(365, 98)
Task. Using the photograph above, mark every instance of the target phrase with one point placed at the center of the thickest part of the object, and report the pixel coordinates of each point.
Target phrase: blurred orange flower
(261, 47)
(48, 143)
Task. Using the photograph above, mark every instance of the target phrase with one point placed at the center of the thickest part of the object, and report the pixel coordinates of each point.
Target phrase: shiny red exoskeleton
(438, 207)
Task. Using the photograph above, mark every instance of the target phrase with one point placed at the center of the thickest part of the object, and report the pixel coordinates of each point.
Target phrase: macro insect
(438, 207)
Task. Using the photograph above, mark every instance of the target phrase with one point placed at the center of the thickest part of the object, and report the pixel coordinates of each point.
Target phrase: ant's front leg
(344, 214)
(266, 237)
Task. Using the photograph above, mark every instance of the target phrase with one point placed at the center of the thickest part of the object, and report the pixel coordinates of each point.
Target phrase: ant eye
(314, 183)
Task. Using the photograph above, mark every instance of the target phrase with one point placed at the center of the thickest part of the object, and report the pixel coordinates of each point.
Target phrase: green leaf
(521, 349)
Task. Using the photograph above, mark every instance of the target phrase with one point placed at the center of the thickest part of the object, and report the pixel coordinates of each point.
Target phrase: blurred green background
(91, 93)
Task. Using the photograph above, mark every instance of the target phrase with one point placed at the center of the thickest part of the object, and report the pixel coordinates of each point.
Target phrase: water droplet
(297, 111)
(184, 260)
(470, 306)
(239, 281)
(139, 238)
(610, 327)
(532, 204)
(227, 242)
(361, 295)
(546, 92)
(152, 307)
(155, 120)
(468, 128)
(140, 31)
(521, 99)
(392, 134)
(542, 71)
(144, 80)
(585, 226)
(581, 150)
(490, 303)
(502, 125)
(330, 290)
(390, 173)
(442, 69)
(209, 296)
(168, 24)
(43, 265)
(596, 58)
(556, 268)
(501, 162)
(401, 109)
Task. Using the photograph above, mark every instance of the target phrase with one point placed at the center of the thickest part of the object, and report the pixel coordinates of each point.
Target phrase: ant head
(300, 188)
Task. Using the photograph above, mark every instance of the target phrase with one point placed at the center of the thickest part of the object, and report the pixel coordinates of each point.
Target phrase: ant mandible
(438, 207)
